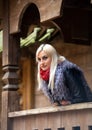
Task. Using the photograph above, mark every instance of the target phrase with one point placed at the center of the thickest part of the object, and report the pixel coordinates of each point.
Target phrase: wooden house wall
(17, 8)
(79, 54)
(31, 98)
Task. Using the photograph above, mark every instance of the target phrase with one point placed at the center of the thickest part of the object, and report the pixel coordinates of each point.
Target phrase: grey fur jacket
(70, 84)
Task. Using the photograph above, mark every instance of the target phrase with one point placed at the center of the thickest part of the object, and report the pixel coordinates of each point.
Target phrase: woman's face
(44, 60)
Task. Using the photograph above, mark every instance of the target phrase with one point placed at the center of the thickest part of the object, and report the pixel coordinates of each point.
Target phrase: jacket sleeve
(77, 85)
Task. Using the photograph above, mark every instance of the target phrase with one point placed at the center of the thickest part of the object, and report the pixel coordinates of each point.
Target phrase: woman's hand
(62, 103)
(55, 104)
(65, 102)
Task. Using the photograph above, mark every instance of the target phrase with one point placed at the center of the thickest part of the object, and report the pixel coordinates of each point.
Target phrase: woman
(61, 81)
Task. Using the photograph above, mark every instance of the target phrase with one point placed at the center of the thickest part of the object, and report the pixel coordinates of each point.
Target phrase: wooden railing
(71, 117)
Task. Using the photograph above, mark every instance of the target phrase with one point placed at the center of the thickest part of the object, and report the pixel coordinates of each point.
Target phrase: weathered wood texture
(11, 43)
(47, 9)
(26, 89)
(9, 103)
(0, 84)
(54, 119)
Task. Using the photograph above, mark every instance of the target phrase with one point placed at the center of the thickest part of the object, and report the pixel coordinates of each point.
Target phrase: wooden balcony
(71, 117)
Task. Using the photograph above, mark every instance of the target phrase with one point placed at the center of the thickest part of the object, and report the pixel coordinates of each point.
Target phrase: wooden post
(27, 91)
(10, 67)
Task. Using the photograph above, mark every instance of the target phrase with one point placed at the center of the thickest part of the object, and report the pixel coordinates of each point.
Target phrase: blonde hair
(50, 50)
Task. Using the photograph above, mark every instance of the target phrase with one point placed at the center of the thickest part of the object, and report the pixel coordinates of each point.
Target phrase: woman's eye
(39, 59)
(44, 57)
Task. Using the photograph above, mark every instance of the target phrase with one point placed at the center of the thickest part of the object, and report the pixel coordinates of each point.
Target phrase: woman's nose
(42, 61)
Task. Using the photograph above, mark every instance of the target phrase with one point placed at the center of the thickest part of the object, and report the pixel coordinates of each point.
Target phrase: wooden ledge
(80, 106)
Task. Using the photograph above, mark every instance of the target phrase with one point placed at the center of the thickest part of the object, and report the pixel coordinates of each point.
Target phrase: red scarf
(45, 74)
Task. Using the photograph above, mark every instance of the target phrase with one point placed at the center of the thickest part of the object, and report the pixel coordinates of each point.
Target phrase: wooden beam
(72, 107)
(27, 85)
(10, 66)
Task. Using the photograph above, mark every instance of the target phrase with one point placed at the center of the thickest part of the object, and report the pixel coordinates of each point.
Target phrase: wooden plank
(4, 118)
(73, 107)
(27, 85)
(5, 33)
(9, 103)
